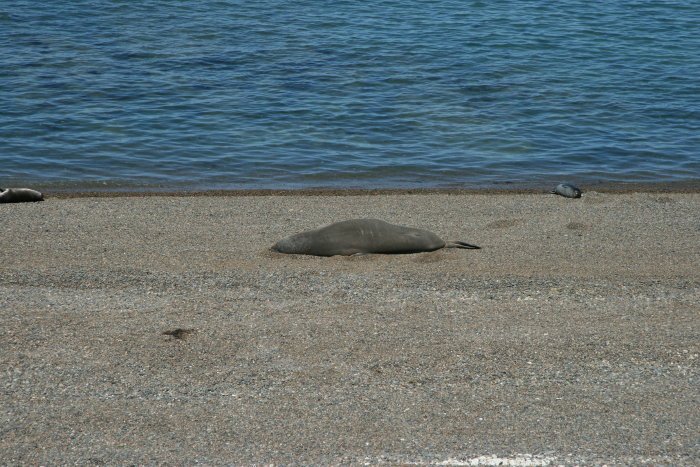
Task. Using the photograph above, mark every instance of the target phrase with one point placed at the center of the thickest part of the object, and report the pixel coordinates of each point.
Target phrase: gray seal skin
(19, 195)
(363, 236)
(567, 190)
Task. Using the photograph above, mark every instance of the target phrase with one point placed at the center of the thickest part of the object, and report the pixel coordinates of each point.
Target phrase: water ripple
(295, 94)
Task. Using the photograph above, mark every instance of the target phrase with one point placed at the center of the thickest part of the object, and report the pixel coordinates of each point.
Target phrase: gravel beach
(156, 329)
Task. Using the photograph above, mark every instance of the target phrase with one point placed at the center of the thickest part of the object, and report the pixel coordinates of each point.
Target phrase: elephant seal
(19, 195)
(567, 190)
(363, 236)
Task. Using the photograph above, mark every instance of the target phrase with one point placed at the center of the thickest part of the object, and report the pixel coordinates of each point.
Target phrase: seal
(19, 195)
(567, 190)
(364, 236)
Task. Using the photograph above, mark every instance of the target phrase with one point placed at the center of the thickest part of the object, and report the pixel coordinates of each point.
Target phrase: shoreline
(503, 188)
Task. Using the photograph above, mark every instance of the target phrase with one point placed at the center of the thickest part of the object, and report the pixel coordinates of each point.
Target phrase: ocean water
(219, 94)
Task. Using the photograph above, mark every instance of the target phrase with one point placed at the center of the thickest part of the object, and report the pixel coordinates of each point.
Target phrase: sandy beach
(157, 329)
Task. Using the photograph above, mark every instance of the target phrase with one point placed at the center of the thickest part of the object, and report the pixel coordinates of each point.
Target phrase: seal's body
(19, 195)
(567, 190)
(363, 236)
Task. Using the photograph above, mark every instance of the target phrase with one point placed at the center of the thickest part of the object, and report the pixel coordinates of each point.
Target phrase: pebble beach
(162, 330)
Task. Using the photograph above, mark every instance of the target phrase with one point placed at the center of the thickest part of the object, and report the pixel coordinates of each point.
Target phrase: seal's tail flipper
(456, 244)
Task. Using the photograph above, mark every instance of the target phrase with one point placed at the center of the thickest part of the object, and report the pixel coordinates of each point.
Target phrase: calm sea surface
(297, 94)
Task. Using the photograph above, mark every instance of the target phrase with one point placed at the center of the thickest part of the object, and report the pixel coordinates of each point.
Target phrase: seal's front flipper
(456, 244)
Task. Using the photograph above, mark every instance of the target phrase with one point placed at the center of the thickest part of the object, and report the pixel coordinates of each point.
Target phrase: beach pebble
(567, 190)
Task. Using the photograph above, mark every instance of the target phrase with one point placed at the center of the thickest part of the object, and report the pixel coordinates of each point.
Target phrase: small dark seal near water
(19, 195)
(567, 190)
(364, 236)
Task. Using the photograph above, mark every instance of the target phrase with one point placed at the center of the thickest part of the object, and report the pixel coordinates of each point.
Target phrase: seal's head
(293, 244)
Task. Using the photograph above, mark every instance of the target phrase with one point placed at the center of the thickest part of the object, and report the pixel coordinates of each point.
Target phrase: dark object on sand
(364, 236)
(179, 333)
(567, 190)
(19, 195)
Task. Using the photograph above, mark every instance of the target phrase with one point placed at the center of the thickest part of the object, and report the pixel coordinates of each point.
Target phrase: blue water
(297, 94)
